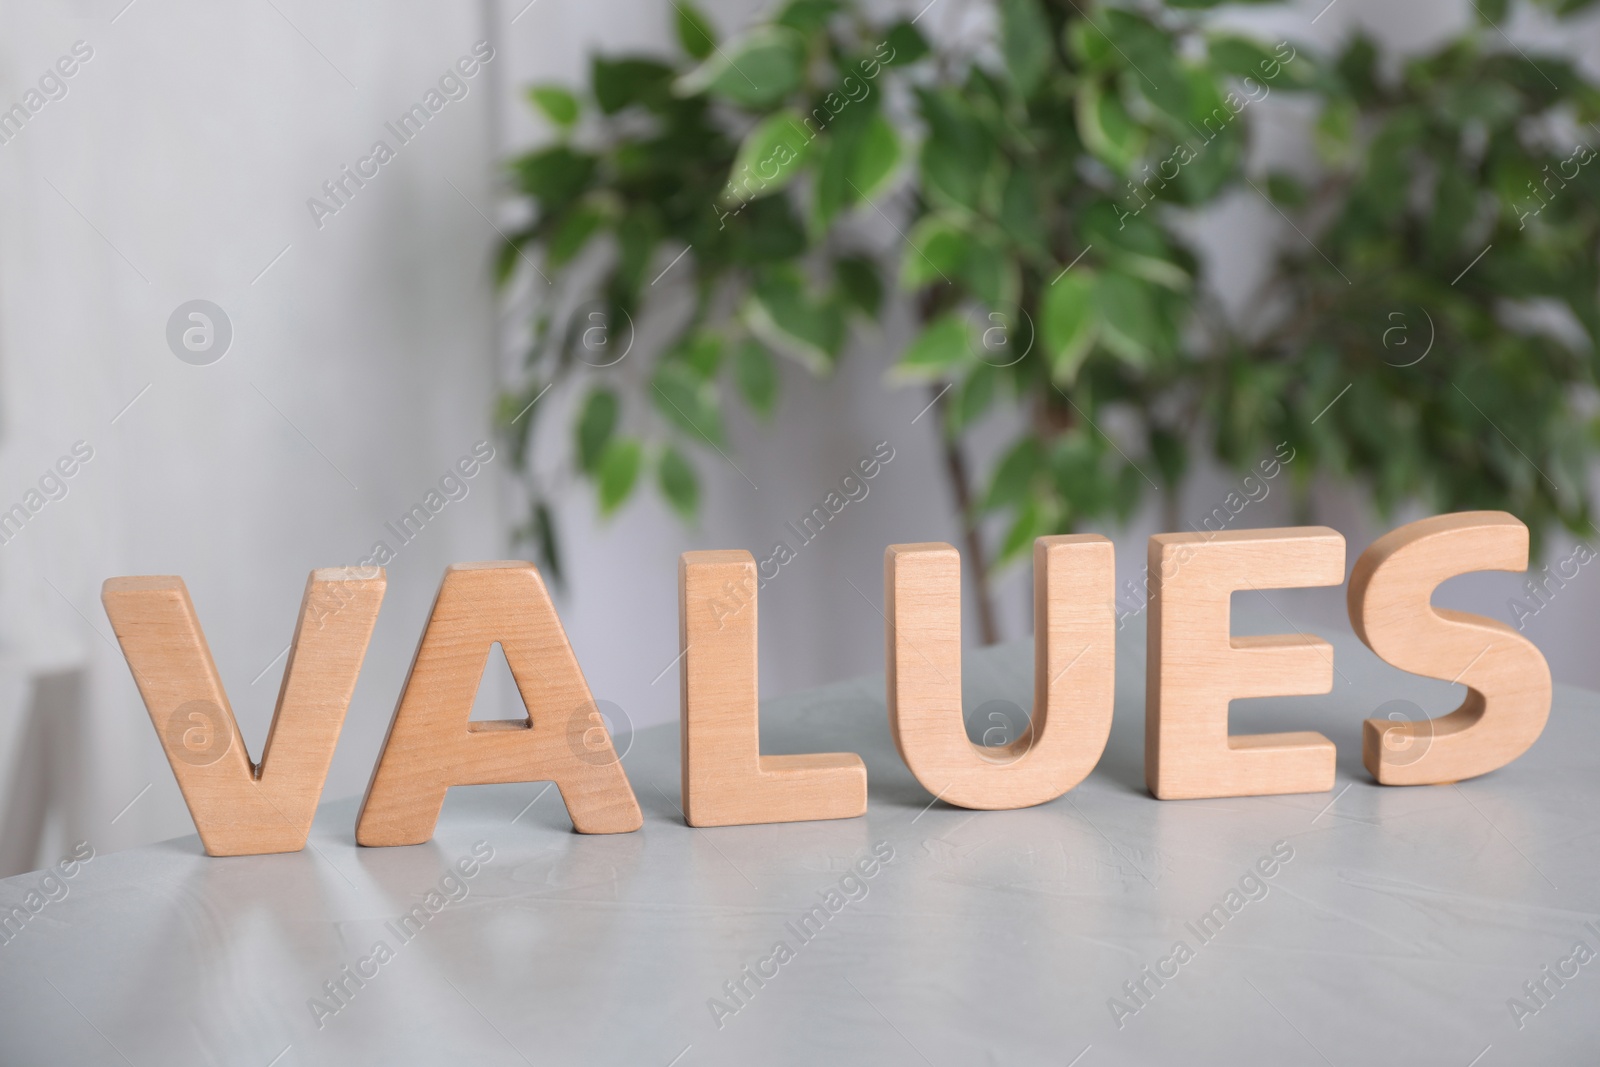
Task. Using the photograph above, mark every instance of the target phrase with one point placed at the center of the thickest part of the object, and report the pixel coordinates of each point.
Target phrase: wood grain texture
(432, 744)
(1195, 666)
(1507, 679)
(1074, 593)
(726, 780)
(241, 808)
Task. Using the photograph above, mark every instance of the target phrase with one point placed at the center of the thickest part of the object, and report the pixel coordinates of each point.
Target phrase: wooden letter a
(241, 808)
(432, 743)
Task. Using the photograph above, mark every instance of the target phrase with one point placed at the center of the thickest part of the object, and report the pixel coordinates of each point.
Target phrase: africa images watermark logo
(452, 888)
(53, 888)
(198, 733)
(853, 488)
(199, 332)
(599, 733)
(850, 888)
(1252, 887)
(454, 84)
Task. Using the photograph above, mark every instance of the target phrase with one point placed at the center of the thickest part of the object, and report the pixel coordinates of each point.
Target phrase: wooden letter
(242, 808)
(1195, 666)
(432, 744)
(726, 780)
(1074, 649)
(1507, 680)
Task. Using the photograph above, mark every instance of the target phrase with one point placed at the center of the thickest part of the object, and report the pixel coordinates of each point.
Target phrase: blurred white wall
(178, 166)
(364, 359)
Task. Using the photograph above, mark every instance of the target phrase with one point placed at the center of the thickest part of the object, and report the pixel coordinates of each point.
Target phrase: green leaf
(942, 345)
(1242, 57)
(1032, 522)
(1079, 470)
(901, 45)
(1162, 272)
(874, 157)
(618, 471)
(595, 425)
(807, 16)
(1492, 12)
(1163, 81)
(553, 176)
(770, 234)
(991, 275)
(957, 151)
(829, 189)
(618, 83)
(1091, 48)
(637, 234)
(832, 188)
(769, 157)
(678, 483)
(1151, 59)
(783, 314)
(1455, 201)
(573, 233)
(507, 256)
(1025, 43)
(1209, 113)
(1012, 481)
(1335, 132)
(755, 72)
(1135, 38)
(757, 376)
(859, 284)
(1107, 130)
(1357, 67)
(1070, 322)
(701, 352)
(1492, 103)
(1019, 209)
(936, 251)
(558, 105)
(688, 402)
(1218, 162)
(694, 30)
(973, 398)
(1128, 316)
(1286, 190)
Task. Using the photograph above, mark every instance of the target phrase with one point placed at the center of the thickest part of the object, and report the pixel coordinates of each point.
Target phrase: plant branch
(977, 561)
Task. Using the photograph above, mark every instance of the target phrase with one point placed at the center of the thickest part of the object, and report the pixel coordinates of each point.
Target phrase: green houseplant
(1039, 175)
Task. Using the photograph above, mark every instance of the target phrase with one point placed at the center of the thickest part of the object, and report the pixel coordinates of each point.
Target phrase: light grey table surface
(1404, 922)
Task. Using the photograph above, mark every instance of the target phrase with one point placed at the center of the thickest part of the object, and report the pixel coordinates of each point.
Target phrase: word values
(1196, 667)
